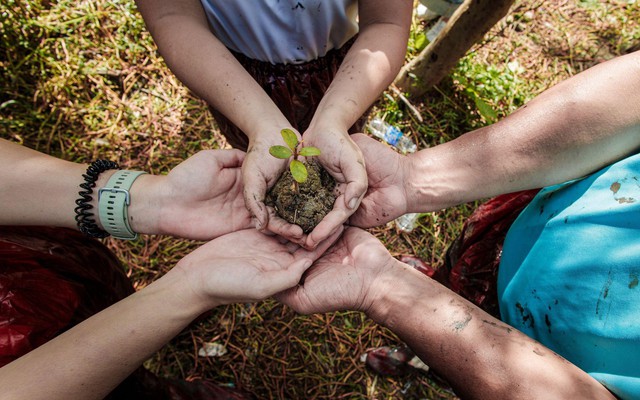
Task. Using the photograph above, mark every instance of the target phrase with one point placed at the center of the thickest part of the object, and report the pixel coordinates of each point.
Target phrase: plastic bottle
(435, 8)
(407, 222)
(392, 135)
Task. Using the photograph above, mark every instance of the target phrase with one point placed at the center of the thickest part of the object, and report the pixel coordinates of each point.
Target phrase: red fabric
(472, 261)
(52, 279)
(390, 361)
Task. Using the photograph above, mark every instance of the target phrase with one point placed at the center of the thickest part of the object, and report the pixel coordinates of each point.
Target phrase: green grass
(82, 80)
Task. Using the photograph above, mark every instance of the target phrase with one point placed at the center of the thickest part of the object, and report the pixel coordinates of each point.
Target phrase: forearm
(208, 68)
(480, 356)
(370, 66)
(91, 359)
(571, 130)
(38, 189)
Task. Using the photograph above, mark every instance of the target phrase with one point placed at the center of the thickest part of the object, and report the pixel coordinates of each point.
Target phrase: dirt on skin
(314, 199)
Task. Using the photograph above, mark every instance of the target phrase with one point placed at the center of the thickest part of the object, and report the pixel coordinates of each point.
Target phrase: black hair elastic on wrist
(84, 217)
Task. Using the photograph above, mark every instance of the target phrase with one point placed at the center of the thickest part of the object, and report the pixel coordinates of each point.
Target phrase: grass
(82, 80)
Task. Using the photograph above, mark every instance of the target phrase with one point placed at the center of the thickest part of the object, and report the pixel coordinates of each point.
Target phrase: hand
(386, 197)
(344, 278)
(246, 266)
(343, 160)
(260, 172)
(199, 199)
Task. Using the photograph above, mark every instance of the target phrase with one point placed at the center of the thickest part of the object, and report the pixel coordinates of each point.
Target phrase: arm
(570, 130)
(89, 360)
(199, 199)
(181, 32)
(369, 67)
(480, 356)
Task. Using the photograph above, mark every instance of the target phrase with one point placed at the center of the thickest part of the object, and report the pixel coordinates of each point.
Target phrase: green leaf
(485, 110)
(298, 170)
(420, 41)
(290, 138)
(309, 151)
(280, 152)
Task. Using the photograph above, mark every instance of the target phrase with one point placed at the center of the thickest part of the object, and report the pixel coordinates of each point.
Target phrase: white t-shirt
(282, 31)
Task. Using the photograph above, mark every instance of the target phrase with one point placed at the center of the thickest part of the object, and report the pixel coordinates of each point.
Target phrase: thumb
(289, 277)
(229, 158)
(355, 175)
(254, 192)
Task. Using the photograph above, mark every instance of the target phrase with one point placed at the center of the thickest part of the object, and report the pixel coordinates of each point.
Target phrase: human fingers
(320, 247)
(283, 279)
(229, 158)
(254, 191)
(282, 228)
(331, 222)
(355, 175)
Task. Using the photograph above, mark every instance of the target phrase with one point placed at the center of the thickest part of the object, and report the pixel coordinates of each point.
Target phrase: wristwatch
(113, 203)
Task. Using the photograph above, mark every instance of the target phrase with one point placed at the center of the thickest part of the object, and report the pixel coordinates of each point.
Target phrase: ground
(83, 80)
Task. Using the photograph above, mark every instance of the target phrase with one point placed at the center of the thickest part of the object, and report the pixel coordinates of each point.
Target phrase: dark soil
(314, 199)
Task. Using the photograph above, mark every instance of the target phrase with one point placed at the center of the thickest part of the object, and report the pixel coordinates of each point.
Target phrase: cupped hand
(260, 171)
(386, 197)
(342, 158)
(201, 198)
(346, 277)
(246, 266)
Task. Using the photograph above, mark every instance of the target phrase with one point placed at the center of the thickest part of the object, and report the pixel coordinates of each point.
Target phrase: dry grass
(82, 80)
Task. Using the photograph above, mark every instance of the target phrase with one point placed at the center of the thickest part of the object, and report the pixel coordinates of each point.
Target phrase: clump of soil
(314, 199)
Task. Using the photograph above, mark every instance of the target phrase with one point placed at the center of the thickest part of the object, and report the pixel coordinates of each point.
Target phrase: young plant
(294, 149)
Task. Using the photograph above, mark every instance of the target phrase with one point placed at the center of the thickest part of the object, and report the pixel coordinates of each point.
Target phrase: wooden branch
(468, 25)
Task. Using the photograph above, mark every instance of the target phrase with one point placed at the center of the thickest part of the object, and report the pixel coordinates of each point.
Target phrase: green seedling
(294, 149)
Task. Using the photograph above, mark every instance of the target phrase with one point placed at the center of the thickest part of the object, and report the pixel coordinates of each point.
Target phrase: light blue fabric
(570, 270)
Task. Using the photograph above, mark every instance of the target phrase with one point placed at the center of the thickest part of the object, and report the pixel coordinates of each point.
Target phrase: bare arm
(189, 202)
(570, 130)
(370, 65)
(202, 62)
(89, 360)
(567, 132)
(38, 189)
(480, 356)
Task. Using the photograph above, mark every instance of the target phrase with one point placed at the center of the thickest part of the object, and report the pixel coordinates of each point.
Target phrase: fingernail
(353, 202)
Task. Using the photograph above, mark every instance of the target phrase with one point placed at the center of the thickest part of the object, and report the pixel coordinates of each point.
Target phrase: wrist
(394, 293)
(431, 185)
(323, 129)
(193, 284)
(178, 292)
(268, 134)
(146, 207)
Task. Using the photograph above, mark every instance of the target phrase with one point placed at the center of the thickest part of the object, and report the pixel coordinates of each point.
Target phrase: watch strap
(113, 204)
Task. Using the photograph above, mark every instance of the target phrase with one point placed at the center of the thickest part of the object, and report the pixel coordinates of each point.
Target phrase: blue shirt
(570, 270)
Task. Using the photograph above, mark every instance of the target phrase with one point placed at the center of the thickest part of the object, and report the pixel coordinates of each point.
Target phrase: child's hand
(342, 158)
